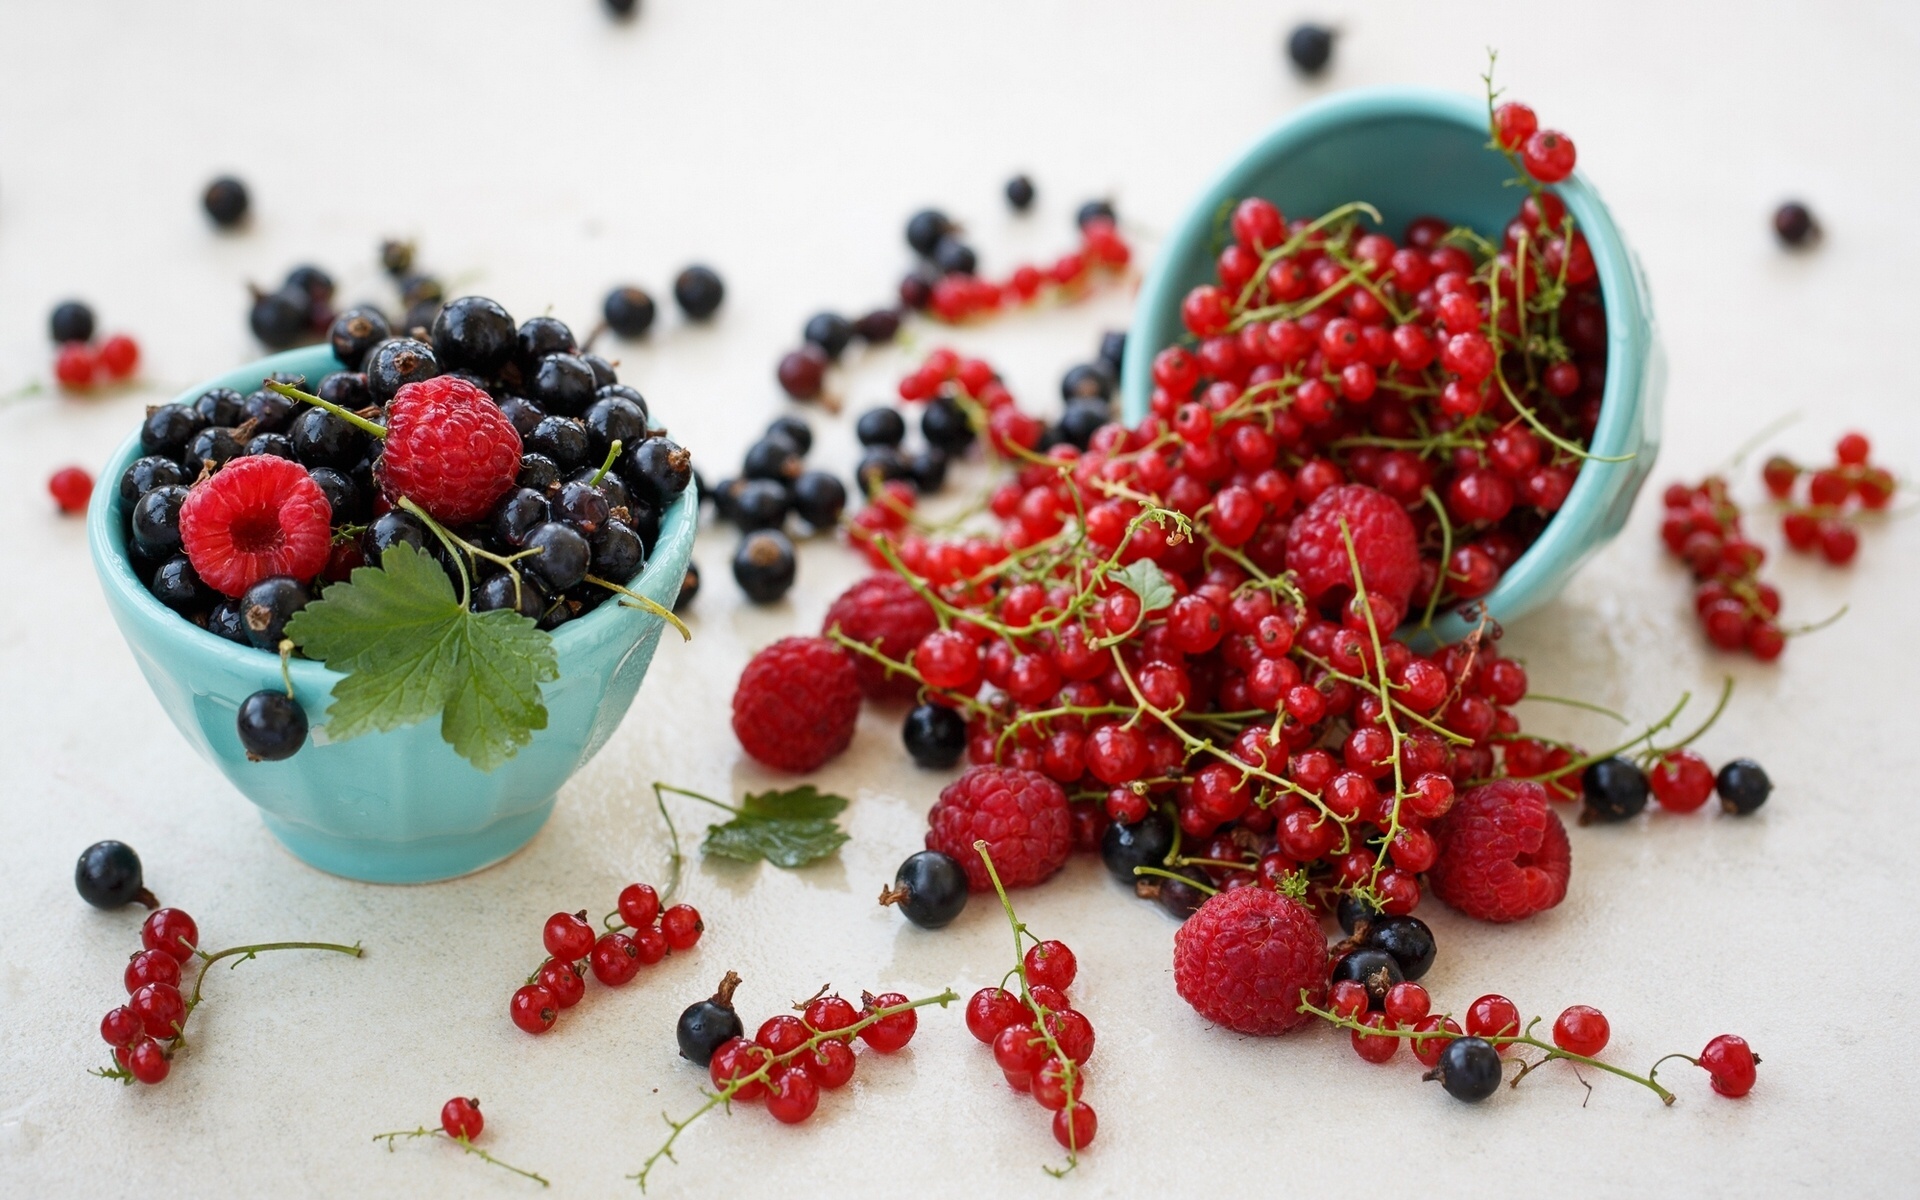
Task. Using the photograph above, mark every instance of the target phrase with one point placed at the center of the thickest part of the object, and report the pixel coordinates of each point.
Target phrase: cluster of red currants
(1737, 609)
(1040, 1042)
(155, 1011)
(638, 935)
(79, 361)
(1835, 496)
(791, 1060)
(963, 296)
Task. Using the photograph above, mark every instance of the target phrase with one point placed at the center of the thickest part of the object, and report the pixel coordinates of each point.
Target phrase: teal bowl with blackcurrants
(399, 806)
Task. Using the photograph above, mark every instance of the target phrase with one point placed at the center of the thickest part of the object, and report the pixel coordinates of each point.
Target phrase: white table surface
(541, 155)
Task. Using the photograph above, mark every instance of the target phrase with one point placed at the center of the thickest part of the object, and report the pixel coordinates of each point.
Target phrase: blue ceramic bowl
(1410, 152)
(397, 807)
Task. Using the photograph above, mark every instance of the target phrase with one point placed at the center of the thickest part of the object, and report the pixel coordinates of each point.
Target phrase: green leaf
(788, 829)
(409, 650)
(1144, 579)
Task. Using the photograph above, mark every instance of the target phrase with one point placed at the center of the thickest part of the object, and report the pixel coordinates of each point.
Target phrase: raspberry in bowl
(1362, 299)
(457, 513)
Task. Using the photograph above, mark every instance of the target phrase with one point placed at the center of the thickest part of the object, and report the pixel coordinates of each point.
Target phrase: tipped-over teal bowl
(1411, 152)
(398, 807)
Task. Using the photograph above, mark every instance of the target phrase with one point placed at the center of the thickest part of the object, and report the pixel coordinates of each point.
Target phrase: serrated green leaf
(1144, 579)
(409, 650)
(789, 828)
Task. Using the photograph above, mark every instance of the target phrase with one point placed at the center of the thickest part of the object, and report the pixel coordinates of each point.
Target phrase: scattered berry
(1021, 815)
(1794, 225)
(1247, 957)
(71, 488)
(698, 292)
(797, 703)
(708, 1024)
(1469, 1068)
(1743, 786)
(930, 888)
(1503, 854)
(1730, 1062)
(225, 201)
(108, 875)
(1310, 47)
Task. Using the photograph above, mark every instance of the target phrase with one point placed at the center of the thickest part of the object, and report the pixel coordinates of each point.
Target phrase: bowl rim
(107, 541)
(1623, 293)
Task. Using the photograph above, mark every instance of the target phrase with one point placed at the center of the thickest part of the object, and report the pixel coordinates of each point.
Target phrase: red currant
(831, 1064)
(171, 931)
(615, 959)
(1493, 1016)
(889, 1033)
(1051, 964)
(1730, 1062)
(147, 1061)
(70, 488)
(639, 905)
(736, 1059)
(1549, 155)
(160, 1008)
(461, 1118)
(120, 1027)
(991, 1010)
(568, 937)
(1051, 1087)
(1074, 1127)
(1374, 1047)
(1407, 1002)
(563, 979)
(533, 1008)
(1681, 781)
(825, 1014)
(151, 966)
(1428, 1049)
(1581, 1030)
(682, 926)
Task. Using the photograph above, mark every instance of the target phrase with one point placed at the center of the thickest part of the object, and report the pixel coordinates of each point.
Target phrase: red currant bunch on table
(1824, 517)
(639, 933)
(1735, 606)
(79, 362)
(948, 284)
(461, 1124)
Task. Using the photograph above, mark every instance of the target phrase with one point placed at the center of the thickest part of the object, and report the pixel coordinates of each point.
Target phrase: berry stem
(286, 672)
(646, 604)
(1195, 884)
(457, 545)
(606, 464)
(464, 1145)
(763, 1072)
(348, 415)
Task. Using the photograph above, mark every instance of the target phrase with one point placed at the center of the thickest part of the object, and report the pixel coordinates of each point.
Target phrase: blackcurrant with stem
(1469, 1068)
(564, 555)
(272, 726)
(708, 1024)
(108, 875)
(930, 889)
(935, 735)
(763, 566)
(759, 504)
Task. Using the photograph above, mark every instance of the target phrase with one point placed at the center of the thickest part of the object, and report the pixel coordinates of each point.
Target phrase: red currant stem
(1362, 275)
(1572, 703)
(1520, 1039)
(286, 672)
(1383, 688)
(762, 1073)
(348, 415)
(1300, 238)
(1259, 580)
(606, 464)
(1228, 864)
(1446, 554)
(1540, 427)
(1758, 440)
(1720, 706)
(461, 1142)
(1068, 1068)
(1429, 723)
(247, 953)
(1582, 763)
(1817, 626)
(675, 860)
(645, 603)
(1195, 884)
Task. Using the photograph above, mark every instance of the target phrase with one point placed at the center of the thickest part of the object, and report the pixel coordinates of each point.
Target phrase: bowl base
(425, 860)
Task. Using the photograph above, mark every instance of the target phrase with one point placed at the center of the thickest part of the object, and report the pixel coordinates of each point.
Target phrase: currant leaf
(787, 828)
(409, 651)
(1144, 579)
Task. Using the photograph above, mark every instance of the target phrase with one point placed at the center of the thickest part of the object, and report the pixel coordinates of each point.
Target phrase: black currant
(916, 291)
(1094, 210)
(177, 585)
(611, 485)
(475, 333)
(1743, 786)
(1310, 47)
(582, 506)
(71, 321)
(954, 257)
(818, 499)
(563, 559)
(1351, 910)
(772, 457)
(1081, 419)
(396, 362)
(562, 384)
(389, 529)
(1020, 193)
(321, 439)
(267, 606)
(501, 590)
(829, 331)
(1469, 1068)
(211, 445)
(763, 566)
(604, 375)
(168, 428)
(541, 336)
(270, 412)
(698, 291)
(628, 311)
(882, 426)
(689, 588)
(657, 471)
(522, 412)
(936, 736)
(355, 332)
(224, 621)
(311, 282)
(927, 468)
(620, 391)
(618, 553)
(1183, 894)
(148, 473)
(925, 229)
(1144, 843)
(946, 425)
(1406, 938)
(272, 726)
(706, 1026)
(278, 445)
(221, 406)
(930, 889)
(156, 519)
(1113, 351)
(562, 440)
(1086, 381)
(396, 257)
(1376, 970)
(279, 318)
(348, 389)
(759, 504)
(225, 201)
(795, 431)
(517, 514)
(1612, 789)
(108, 876)
(878, 327)
(537, 471)
(1793, 224)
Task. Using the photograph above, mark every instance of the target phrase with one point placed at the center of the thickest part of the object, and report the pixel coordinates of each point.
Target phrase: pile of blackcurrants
(774, 483)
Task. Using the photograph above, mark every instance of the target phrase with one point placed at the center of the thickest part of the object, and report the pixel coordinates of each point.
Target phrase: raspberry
(1503, 853)
(883, 608)
(1021, 815)
(1244, 958)
(1383, 540)
(796, 704)
(449, 449)
(258, 516)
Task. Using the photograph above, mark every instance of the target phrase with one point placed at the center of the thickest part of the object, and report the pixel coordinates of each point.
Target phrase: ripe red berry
(533, 1008)
(782, 1034)
(120, 1027)
(1779, 474)
(1681, 781)
(1407, 1002)
(1852, 449)
(1021, 815)
(171, 931)
(1730, 1062)
(1050, 1087)
(564, 981)
(461, 1118)
(991, 1010)
(682, 926)
(256, 517)
(448, 448)
(889, 1033)
(830, 1063)
(1513, 124)
(74, 365)
(160, 1008)
(1374, 1047)
(151, 966)
(568, 937)
(797, 703)
(1493, 1016)
(736, 1059)
(615, 959)
(1074, 1127)
(1548, 156)
(639, 905)
(1581, 1030)
(147, 1061)
(1019, 1049)
(119, 355)
(825, 1014)
(70, 488)
(1427, 1050)
(792, 1095)
(1348, 997)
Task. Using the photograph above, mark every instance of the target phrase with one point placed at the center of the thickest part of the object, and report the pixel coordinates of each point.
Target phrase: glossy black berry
(709, 1024)
(312, 282)
(145, 474)
(1793, 224)
(819, 499)
(772, 457)
(420, 289)
(71, 321)
(537, 471)
(321, 439)
(500, 591)
(355, 332)
(272, 726)
(1020, 193)
(216, 446)
(279, 318)
(927, 468)
(763, 566)
(562, 440)
(1310, 47)
(343, 496)
(582, 506)
(954, 257)
(156, 519)
(829, 331)
(221, 406)
(523, 413)
(1094, 210)
(1351, 910)
(925, 229)
(628, 311)
(1376, 970)
(562, 384)
(1182, 895)
(618, 553)
(614, 418)
(168, 428)
(698, 291)
(225, 201)
(935, 735)
(930, 889)
(759, 504)
(176, 584)
(1406, 938)
(267, 606)
(689, 589)
(541, 336)
(657, 471)
(1612, 789)
(1144, 843)
(794, 430)
(879, 465)
(1086, 381)
(611, 484)
(278, 445)
(474, 333)
(395, 363)
(881, 426)
(270, 412)
(1743, 786)
(224, 621)
(1469, 1068)
(108, 876)
(945, 425)
(1081, 419)
(621, 391)
(517, 514)
(604, 375)
(878, 327)
(390, 529)
(1113, 351)
(563, 559)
